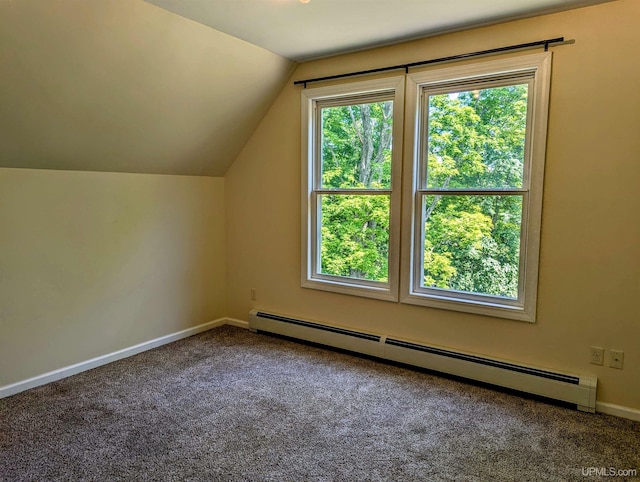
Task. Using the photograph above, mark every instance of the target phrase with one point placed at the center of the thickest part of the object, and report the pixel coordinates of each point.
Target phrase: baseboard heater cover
(577, 389)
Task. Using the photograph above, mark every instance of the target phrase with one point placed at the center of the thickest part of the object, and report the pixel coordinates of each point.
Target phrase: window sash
(450, 294)
(454, 87)
(316, 248)
(479, 83)
(343, 101)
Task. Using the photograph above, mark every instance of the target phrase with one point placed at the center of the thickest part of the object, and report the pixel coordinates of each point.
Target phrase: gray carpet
(232, 405)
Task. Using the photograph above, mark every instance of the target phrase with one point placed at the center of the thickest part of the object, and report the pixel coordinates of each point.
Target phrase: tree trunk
(370, 165)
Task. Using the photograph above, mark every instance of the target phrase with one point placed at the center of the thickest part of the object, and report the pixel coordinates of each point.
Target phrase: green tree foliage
(356, 146)
(355, 236)
(475, 140)
(356, 154)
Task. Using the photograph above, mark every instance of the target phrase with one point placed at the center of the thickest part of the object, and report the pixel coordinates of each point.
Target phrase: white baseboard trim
(65, 372)
(618, 411)
(8, 390)
(236, 322)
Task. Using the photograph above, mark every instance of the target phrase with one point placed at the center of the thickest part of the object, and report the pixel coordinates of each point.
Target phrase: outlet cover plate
(616, 359)
(597, 355)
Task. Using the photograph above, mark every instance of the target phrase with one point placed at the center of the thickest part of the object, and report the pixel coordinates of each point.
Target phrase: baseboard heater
(574, 389)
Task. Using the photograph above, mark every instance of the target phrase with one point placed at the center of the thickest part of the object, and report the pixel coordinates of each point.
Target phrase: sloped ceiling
(125, 86)
(318, 28)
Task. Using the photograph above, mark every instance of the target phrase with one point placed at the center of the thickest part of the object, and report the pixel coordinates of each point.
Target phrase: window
(474, 141)
(475, 191)
(351, 170)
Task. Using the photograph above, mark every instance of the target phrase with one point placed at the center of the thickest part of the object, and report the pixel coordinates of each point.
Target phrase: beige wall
(91, 263)
(589, 288)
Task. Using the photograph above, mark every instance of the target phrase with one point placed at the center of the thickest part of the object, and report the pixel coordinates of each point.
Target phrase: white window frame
(311, 188)
(524, 307)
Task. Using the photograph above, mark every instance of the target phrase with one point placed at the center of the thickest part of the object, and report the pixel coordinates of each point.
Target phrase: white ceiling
(324, 27)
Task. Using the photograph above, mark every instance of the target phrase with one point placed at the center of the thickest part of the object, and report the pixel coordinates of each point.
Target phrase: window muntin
(352, 203)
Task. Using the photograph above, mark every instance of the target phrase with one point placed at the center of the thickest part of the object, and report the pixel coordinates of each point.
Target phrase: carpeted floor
(232, 405)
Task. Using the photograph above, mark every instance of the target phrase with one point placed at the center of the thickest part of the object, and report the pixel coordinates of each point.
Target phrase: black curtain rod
(406, 67)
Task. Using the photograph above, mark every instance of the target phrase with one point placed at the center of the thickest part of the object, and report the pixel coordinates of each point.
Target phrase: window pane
(356, 146)
(354, 237)
(476, 138)
(472, 243)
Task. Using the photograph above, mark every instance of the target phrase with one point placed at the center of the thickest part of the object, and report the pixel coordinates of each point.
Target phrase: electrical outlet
(597, 355)
(616, 359)
(253, 293)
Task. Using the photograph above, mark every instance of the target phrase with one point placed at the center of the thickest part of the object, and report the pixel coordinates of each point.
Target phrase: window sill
(488, 308)
(382, 292)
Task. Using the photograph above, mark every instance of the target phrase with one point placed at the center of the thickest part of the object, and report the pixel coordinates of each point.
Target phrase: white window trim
(310, 278)
(523, 309)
